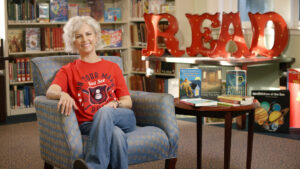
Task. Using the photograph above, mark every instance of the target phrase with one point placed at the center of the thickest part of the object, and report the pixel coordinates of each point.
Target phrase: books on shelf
(273, 114)
(15, 40)
(84, 11)
(20, 70)
(236, 82)
(155, 6)
(72, 10)
(236, 99)
(294, 88)
(43, 12)
(211, 85)
(112, 14)
(58, 10)
(21, 11)
(112, 37)
(22, 96)
(190, 83)
(97, 9)
(33, 36)
(198, 102)
(139, 7)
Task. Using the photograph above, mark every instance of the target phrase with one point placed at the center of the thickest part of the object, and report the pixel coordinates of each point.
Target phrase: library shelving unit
(13, 85)
(138, 41)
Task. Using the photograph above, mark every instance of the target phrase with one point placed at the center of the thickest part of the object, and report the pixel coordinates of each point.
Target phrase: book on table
(236, 99)
(236, 82)
(190, 83)
(198, 102)
(273, 113)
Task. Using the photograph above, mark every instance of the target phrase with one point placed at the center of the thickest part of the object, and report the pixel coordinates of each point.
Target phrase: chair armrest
(60, 137)
(157, 109)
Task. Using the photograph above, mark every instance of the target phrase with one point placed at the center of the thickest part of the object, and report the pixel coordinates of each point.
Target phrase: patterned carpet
(19, 147)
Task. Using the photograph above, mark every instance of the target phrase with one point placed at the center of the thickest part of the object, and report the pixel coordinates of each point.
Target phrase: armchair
(61, 142)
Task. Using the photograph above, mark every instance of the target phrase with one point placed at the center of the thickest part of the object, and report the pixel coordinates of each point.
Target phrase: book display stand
(237, 63)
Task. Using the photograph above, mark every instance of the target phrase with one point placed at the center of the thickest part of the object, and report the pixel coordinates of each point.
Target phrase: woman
(97, 91)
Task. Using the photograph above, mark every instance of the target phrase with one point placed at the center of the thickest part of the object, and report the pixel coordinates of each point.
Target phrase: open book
(198, 102)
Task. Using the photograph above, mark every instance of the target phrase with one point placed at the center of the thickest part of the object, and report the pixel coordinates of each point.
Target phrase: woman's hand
(65, 104)
(112, 104)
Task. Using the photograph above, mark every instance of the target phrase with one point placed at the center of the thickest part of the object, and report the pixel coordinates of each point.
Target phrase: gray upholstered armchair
(155, 138)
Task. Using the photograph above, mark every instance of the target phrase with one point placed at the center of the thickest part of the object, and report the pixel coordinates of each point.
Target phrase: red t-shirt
(91, 85)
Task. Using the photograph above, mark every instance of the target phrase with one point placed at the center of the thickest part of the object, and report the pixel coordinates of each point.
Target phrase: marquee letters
(217, 47)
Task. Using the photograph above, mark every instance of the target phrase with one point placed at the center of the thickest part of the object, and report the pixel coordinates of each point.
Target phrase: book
(235, 99)
(190, 83)
(58, 10)
(112, 15)
(227, 104)
(84, 11)
(154, 6)
(72, 10)
(198, 102)
(294, 88)
(33, 38)
(236, 82)
(43, 12)
(97, 9)
(15, 40)
(211, 85)
(172, 87)
(112, 37)
(273, 114)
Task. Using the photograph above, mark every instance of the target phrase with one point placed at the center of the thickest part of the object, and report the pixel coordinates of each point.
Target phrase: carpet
(19, 145)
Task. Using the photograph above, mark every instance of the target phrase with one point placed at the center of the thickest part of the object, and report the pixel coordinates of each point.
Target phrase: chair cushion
(144, 144)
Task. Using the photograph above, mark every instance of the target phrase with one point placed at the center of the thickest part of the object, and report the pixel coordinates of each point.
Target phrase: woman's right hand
(65, 104)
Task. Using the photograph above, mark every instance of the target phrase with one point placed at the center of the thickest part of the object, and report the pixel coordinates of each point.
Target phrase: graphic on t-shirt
(96, 91)
(98, 94)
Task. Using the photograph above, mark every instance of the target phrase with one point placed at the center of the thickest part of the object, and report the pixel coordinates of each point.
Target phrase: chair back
(44, 69)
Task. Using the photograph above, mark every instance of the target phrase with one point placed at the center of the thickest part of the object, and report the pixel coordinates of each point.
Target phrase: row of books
(27, 11)
(22, 96)
(139, 7)
(20, 70)
(138, 34)
(139, 65)
(154, 84)
(35, 39)
(50, 39)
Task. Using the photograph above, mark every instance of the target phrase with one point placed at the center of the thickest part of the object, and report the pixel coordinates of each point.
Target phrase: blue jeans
(107, 142)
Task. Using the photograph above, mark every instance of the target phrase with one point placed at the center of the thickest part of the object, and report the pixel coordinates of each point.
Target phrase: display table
(237, 63)
(227, 113)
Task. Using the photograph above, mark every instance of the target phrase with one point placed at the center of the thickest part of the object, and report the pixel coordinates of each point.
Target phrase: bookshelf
(125, 51)
(138, 40)
(13, 87)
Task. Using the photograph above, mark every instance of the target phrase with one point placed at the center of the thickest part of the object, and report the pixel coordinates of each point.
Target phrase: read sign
(217, 47)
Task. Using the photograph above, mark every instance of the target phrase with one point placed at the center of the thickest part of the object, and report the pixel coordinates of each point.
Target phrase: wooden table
(227, 113)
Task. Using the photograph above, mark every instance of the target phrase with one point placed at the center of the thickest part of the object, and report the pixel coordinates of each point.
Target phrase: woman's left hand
(112, 104)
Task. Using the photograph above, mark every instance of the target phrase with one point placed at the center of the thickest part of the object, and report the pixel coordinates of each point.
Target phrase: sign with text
(217, 48)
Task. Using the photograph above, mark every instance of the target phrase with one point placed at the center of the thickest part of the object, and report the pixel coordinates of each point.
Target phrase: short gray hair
(74, 25)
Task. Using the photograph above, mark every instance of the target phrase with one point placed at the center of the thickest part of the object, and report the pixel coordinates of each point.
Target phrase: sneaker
(80, 164)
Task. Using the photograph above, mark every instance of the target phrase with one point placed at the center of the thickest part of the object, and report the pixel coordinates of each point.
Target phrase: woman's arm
(66, 102)
(123, 102)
